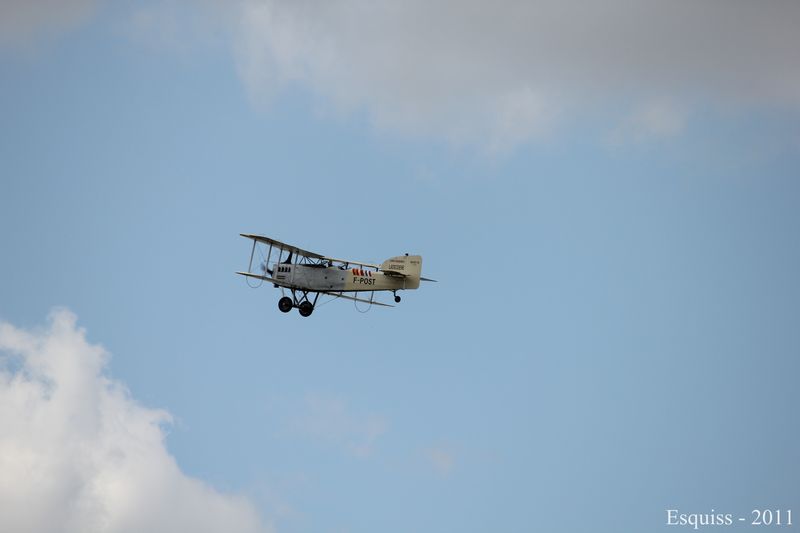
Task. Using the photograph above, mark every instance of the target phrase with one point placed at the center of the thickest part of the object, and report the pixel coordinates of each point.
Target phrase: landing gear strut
(396, 297)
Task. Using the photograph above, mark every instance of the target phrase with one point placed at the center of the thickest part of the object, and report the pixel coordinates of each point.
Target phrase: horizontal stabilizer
(428, 279)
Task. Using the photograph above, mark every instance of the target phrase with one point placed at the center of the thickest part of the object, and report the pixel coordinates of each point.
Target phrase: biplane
(307, 275)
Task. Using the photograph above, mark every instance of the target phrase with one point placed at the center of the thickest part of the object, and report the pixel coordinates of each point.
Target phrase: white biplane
(307, 274)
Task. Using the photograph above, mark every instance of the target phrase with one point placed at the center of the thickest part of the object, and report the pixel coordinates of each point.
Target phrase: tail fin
(408, 266)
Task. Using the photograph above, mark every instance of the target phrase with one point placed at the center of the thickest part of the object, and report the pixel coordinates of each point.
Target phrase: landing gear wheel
(396, 299)
(285, 304)
(306, 309)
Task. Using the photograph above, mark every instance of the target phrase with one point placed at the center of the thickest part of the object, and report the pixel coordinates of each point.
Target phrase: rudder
(409, 266)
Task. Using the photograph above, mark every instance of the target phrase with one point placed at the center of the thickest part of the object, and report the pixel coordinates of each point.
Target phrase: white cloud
(24, 20)
(178, 27)
(78, 454)
(498, 73)
(441, 459)
(651, 120)
(331, 421)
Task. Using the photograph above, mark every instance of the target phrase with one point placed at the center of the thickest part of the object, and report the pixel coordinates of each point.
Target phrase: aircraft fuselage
(335, 279)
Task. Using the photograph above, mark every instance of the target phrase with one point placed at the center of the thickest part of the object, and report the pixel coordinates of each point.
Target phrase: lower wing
(334, 294)
(251, 275)
(340, 295)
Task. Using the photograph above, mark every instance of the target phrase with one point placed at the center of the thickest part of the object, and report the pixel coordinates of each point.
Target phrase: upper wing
(283, 246)
(349, 262)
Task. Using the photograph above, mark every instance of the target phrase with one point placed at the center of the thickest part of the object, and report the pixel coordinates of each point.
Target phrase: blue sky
(614, 333)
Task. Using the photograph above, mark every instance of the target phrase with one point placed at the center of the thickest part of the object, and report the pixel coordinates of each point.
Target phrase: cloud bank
(506, 72)
(494, 74)
(78, 454)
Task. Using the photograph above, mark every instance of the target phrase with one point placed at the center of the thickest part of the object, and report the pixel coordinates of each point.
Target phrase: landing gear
(396, 297)
(300, 300)
(285, 304)
(306, 308)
